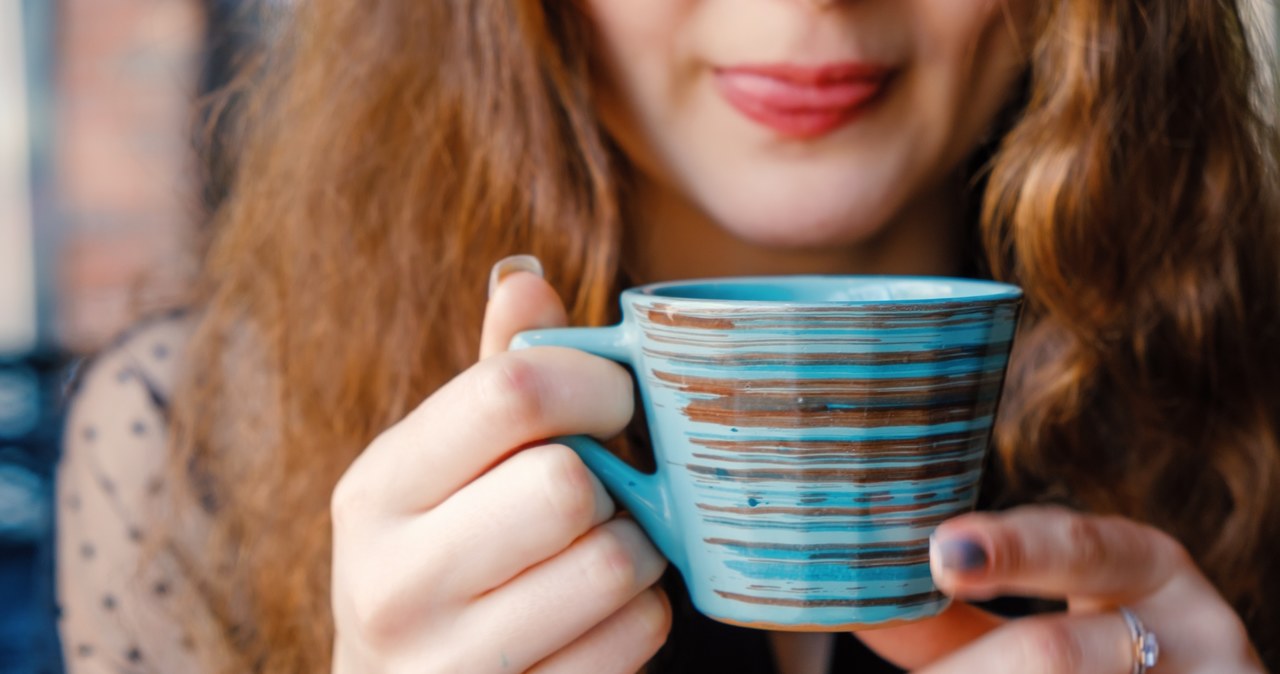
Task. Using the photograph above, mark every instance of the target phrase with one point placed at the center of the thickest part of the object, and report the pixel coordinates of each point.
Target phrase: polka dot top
(117, 608)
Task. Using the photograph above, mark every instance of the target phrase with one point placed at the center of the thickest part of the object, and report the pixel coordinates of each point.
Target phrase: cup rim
(979, 290)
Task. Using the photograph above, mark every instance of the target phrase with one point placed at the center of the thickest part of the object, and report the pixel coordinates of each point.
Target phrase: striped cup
(810, 432)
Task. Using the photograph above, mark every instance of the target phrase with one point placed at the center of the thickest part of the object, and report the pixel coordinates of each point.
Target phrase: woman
(1110, 157)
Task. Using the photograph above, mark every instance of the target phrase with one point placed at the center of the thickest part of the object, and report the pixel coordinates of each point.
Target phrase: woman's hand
(462, 545)
(1096, 564)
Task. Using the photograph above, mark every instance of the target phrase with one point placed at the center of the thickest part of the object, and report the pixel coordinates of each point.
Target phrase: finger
(524, 511)
(534, 505)
(519, 300)
(917, 644)
(1053, 553)
(621, 644)
(553, 604)
(1057, 644)
(479, 418)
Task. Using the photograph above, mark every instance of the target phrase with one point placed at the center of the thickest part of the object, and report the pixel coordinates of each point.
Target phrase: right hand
(462, 544)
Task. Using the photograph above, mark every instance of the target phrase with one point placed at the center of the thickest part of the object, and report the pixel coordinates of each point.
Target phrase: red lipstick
(802, 101)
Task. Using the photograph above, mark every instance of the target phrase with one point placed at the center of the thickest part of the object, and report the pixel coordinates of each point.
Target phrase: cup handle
(647, 497)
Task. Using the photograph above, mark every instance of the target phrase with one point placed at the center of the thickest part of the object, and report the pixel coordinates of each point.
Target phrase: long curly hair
(392, 151)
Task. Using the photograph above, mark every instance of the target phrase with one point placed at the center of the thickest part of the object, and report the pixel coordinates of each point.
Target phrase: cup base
(832, 627)
(849, 627)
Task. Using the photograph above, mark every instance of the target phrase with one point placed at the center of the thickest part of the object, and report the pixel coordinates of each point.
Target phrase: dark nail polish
(964, 555)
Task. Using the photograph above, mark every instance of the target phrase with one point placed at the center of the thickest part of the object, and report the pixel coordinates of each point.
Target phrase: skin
(463, 543)
(876, 195)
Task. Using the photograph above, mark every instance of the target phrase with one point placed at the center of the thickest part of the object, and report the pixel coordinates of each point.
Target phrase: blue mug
(810, 432)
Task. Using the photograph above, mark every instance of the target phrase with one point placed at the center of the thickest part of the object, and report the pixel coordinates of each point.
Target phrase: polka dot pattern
(117, 605)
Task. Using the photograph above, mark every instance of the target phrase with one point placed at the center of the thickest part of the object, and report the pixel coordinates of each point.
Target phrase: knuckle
(357, 495)
(1086, 543)
(610, 567)
(378, 619)
(1008, 552)
(512, 386)
(1164, 546)
(1049, 647)
(567, 484)
(349, 502)
(1049, 510)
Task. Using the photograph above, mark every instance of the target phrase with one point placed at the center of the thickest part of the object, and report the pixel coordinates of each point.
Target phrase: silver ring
(1146, 648)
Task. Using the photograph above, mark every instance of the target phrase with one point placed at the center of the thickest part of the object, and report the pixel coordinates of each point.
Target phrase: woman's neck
(673, 239)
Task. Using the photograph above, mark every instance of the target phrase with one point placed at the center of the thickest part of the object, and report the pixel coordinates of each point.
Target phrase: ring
(1146, 648)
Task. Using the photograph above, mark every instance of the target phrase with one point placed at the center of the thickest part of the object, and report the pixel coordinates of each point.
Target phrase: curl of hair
(1136, 201)
(393, 150)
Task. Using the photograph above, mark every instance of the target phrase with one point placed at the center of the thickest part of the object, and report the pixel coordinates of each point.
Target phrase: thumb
(914, 645)
(519, 300)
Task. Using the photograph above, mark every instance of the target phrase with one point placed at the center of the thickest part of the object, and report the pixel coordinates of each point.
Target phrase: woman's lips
(802, 101)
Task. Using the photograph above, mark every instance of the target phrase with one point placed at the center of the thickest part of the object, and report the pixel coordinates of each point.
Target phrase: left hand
(1094, 563)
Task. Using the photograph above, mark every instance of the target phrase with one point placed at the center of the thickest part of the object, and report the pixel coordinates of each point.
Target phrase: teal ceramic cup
(809, 434)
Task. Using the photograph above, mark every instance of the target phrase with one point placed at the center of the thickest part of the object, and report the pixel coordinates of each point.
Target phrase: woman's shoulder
(148, 355)
(115, 434)
(117, 605)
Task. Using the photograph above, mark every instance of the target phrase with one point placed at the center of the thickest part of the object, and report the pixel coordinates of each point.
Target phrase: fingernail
(960, 555)
(510, 265)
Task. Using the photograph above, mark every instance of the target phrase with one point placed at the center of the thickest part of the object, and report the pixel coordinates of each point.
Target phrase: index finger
(1053, 553)
(481, 417)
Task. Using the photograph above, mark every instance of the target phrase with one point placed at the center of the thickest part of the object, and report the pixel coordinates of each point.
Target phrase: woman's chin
(795, 229)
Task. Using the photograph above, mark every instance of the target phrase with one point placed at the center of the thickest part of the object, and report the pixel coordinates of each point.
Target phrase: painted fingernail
(510, 265)
(961, 555)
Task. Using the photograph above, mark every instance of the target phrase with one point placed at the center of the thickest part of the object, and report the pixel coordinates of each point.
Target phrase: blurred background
(104, 185)
(101, 194)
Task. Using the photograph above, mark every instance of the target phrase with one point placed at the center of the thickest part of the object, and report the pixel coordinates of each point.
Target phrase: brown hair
(394, 150)
(1136, 201)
